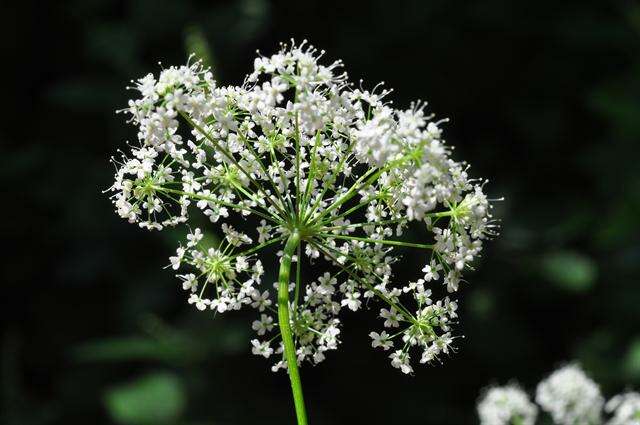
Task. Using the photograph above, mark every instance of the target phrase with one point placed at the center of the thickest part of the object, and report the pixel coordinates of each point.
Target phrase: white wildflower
(263, 325)
(261, 348)
(381, 340)
(506, 405)
(570, 397)
(625, 409)
(298, 150)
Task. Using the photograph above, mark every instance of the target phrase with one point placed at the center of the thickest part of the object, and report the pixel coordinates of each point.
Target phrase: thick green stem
(285, 326)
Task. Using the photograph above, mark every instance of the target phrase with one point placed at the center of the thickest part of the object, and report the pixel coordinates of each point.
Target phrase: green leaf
(157, 398)
(632, 361)
(569, 270)
(127, 349)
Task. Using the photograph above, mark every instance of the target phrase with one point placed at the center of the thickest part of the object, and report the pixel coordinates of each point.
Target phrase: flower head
(625, 409)
(506, 405)
(298, 149)
(570, 397)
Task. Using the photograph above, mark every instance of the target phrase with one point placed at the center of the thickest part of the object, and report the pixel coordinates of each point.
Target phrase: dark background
(544, 99)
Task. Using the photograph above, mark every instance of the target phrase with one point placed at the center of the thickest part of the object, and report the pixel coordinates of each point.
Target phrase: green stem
(372, 224)
(398, 306)
(285, 326)
(231, 158)
(377, 241)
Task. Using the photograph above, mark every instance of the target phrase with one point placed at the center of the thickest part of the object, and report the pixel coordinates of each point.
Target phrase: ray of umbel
(329, 173)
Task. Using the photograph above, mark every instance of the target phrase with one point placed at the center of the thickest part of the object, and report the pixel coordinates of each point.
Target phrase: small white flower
(381, 340)
(189, 282)
(220, 305)
(234, 237)
(194, 238)
(264, 231)
(261, 348)
(392, 318)
(201, 303)
(431, 271)
(241, 264)
(452, 281)
(400, 360)
(351, 300)
(260, 300)
(263, 325)
(177, 259)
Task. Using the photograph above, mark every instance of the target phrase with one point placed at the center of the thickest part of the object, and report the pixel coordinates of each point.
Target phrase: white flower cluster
(229, 276)
(300, 149)
(570, 397)
(507, 405)
(625, 409)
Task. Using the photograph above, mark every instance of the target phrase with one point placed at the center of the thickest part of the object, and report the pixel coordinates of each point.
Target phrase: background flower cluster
(567, 396)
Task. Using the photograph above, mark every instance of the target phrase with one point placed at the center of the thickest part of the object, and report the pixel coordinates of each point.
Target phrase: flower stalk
(284, 321)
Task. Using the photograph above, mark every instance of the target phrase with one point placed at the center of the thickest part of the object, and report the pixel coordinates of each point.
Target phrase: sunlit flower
(302, 152)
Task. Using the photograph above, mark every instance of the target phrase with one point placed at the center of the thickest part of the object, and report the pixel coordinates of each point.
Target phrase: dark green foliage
(544, 99)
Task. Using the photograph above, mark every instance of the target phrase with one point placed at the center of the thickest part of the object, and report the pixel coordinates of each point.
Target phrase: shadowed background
(544, 100)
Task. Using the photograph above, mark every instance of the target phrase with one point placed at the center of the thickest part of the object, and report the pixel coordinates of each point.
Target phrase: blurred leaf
(127, 349)
(619, 104)
(168, 345)
(196, 42)
(577, 220)
(254, 15)
(569, 270)
(157, 398)
(594, 351)
(632, 361)
(249, 19)
(621, 224)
